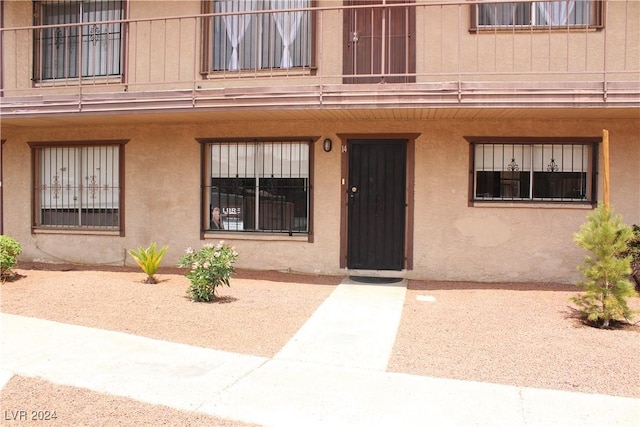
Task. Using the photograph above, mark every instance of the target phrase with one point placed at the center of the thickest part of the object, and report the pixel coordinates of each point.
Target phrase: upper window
(257, 186)
(258, 34)
(555, 13)
(78, 40)
(550, 171)
(78, 186)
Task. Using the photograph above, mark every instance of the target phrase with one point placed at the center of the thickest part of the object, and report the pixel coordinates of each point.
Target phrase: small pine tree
(606, 286)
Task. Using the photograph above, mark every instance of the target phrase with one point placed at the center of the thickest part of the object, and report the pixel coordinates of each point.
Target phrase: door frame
(409, 193)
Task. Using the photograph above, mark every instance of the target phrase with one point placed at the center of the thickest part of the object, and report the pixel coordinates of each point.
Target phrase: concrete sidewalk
(330, 374)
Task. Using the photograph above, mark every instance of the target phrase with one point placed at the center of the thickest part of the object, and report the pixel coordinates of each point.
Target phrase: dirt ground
(524, 335)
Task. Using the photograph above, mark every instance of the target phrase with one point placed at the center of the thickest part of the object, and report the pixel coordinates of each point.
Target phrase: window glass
(544, 172)
(504, 14)
(538, 13)
(95, 47)
(277, 38)
(266, 181)
(78, 187)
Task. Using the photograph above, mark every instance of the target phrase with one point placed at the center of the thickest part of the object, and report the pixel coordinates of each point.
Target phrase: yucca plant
(149, 260)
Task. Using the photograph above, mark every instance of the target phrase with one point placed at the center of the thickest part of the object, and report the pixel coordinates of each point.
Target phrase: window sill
(534, 29)
(265, 237)
(245, 74)
(532, 204)
(74, 81)
(68, 231)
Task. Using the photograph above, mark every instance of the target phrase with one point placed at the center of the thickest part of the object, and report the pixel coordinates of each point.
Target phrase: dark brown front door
(377, 203)
(379, 40)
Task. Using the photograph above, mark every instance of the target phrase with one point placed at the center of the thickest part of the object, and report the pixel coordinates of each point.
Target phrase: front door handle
(352, 191)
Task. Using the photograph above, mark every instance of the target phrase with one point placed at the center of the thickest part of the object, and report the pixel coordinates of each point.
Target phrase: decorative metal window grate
(78, 187)
(260, 186)
(553, 172)
(83, 44)
(554, 13)
(279, 37)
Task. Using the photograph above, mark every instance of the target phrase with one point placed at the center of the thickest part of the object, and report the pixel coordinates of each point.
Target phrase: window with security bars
(257, 186)
(77, 39)
(258, 34)
(554, 13)
(550, 172)
(78, 187)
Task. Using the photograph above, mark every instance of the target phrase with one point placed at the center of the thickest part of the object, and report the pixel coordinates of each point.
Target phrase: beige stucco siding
(166, 53)
(537, 82)
(452, 240)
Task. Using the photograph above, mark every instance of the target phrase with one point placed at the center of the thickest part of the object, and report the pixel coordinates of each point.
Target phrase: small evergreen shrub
(633, 251)
(149, 260)
(9, 251)
(606, 286)
(210, 267)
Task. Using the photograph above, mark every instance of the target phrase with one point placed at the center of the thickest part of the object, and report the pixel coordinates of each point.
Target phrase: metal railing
(309, 53)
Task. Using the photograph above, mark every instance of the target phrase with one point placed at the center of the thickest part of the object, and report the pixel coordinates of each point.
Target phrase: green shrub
(149, 260)
(209, 268)
(633, 251)
(606, 286)
(9, 251)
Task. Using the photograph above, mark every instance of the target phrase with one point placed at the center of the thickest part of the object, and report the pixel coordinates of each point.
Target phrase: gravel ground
(253, 316)
(524, 335)
(521, 335)
(47, 404)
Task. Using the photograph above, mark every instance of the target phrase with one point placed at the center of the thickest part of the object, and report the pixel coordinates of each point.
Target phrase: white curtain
(100, 42)
(236, 25)
(288, 24)
(556, 13)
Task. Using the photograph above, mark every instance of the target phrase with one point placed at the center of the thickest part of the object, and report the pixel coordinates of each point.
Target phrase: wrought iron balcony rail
(318, 54)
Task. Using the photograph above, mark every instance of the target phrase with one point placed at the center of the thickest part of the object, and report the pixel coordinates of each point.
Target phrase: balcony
(421, 60)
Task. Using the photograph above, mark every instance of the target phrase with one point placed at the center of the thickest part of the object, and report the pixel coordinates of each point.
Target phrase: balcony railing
(318, 54)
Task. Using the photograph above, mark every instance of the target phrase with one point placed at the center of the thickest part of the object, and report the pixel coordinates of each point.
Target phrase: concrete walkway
(331, 373)
(355, 327)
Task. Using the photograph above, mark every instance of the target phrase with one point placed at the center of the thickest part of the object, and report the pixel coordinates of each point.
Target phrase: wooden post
(605, 153)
